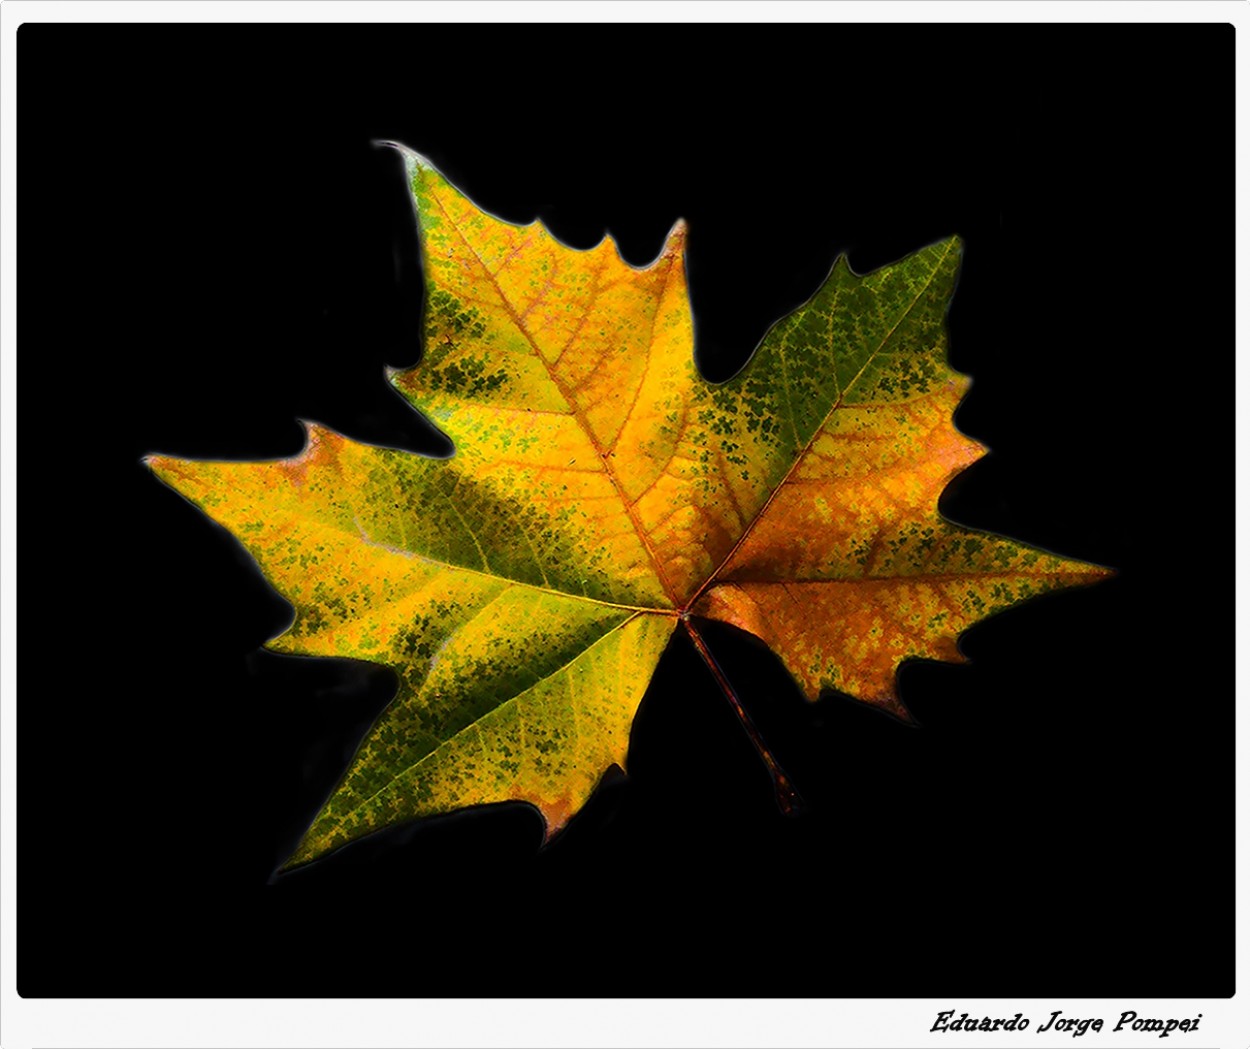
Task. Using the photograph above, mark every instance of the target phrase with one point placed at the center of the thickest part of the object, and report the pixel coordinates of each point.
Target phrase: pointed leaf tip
(675, 242)
(414, 162)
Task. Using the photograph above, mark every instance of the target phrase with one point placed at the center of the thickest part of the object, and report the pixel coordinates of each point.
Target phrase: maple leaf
(601, 494)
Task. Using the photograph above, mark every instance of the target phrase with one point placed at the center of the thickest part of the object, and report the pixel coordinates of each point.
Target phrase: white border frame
(607, 1023)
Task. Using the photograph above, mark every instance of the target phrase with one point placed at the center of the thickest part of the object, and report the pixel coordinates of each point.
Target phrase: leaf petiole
(788, 799)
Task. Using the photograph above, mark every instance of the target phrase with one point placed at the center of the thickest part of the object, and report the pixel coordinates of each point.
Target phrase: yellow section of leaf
(517, 324)
(550, 526)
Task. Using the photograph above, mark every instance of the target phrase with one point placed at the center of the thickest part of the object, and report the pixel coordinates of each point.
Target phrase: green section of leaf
(486, 741)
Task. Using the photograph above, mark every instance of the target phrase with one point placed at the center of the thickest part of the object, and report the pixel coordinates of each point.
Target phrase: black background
(210, 247)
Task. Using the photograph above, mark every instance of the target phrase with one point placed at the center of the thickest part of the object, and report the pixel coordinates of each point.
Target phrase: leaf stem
(788, 799)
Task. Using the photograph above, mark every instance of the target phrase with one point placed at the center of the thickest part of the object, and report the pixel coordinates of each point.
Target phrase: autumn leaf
(601, 494)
